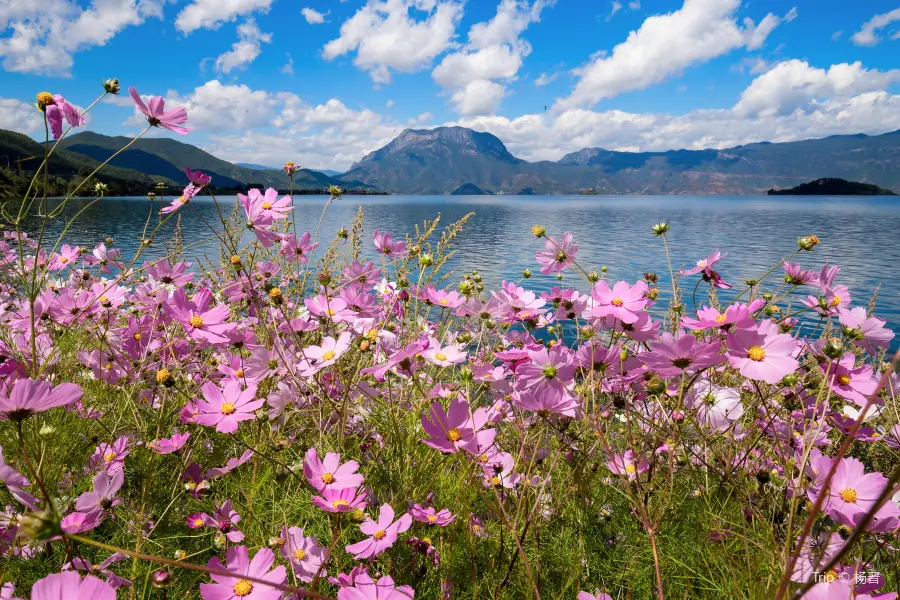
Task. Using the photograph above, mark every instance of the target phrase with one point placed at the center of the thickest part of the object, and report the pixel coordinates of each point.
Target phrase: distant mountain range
(328, 172)
(455, 159)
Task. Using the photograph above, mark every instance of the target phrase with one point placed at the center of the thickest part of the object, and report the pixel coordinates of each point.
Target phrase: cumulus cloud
(45, 35)
(313, 17)
(665, 45)
(545, 79)
(476, 75)
(288, 68)
(386, 37)
(868, 35)
(211, 14)
(246, 49)
(16, 115)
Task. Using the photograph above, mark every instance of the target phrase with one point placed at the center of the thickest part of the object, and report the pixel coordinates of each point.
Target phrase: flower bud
(808, 243)
(343, 233)
(357, 515)
(660, 228)
(538, 231)
(526, 273)
(101, 188)
(789, 380)
(587, 332)
(466, 288)
(179, 555)
(324, 278)
(772, 309)
(290, 168)
(652, 294)
(161, 579)
(39, 525)
(426, 260)
(220, 540)
(236, 262)
(593, 276)
(656, 386)
(834, 348)
(111, 86)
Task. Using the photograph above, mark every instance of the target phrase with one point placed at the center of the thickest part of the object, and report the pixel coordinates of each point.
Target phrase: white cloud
(314, 17)
(615, 7)
(665, 45)
(545, 79)
(867, 36)
(246, 49)
(836, 35)
(386, 37)
(210, 14)
(389, 104)
(288, 68)
(634, 4)
(16, 115)
(216, 107)
(793, 84)
(476, 75)
(45, 35)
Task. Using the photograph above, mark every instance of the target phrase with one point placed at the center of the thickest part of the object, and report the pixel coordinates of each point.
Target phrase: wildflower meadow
(303, 422)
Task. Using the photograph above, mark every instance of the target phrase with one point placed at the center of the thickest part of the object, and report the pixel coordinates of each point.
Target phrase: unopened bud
(111, 86)
(808, 243)
(538, 231)
(834, 348)
(161, 579)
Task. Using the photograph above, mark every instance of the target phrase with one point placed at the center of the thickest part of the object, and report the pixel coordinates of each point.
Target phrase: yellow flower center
(328, 478)
(720, 319)
(339, 503)
(63, 259)
(328, 355)
(163, 376)
(443, 302)
(756, 353)
(848, 495)
(242, 587)
(440, 356)
(196, 321)
(227, 408)
(239, 373)
(103, 300)
(630, 469)
(329, 312)
(844, 380)
(453, 435)
(380, 534)
(45, 99)
(266, 206)
(432, 518)
(198, 522)
(137, 336)
(836, 301)
(617, 302)
(300, 554)
(831, 576)
(372, 334)
(109, 456)
(495, 480)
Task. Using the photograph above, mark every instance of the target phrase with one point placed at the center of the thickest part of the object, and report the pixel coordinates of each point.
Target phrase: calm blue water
(858, 233)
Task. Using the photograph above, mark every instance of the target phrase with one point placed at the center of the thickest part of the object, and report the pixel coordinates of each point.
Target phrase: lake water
(857, 233)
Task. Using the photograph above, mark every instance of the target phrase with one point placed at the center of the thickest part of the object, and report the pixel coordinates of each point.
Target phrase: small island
(831, 186)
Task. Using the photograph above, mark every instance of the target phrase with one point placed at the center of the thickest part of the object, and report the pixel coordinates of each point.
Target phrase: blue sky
(323, 82)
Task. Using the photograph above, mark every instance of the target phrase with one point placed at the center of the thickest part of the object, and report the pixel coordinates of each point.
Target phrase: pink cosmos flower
(430, 516)
(102, 568)
(853, 384)
(364, 587)
(866, 332)
(364, 275)
(852, 490)
(303, 552)
(297, 250)
(706, 264)
(832, 297)
(225, 519)
(328, 352)
(67, 256)
(796, 275)
(673, 356)
(61, 110)
(444, 357)
(385, 244)
(16, 483)
(227, 406)
(111, 457)
(444, 298)
(341, 501)
(158, 116)
(186, 196)
(623, 301)
(761, 352)
(69, 585)
(383, 533)
(717, 407)
(551, 399)
(169, 445)
(198, 320)
(79, 522)
(236, 587)
(197, 178)
(739, 314)
(30, 396)
(597, 596)
(453, 429)
(230, 465)
(559, 255)
(625, 465)
(330, 474)
(103, 497)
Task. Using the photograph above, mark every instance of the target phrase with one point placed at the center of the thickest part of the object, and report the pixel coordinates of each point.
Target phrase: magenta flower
(198, 320)
(197, 178)
(596, 596)
(103, 497)
(303, 552)
(30, 396)
(559, 255)
(673, 356)
(328, 352)
(443, 298)
(430, 516)
(297, 250)
(364, 587)
(623, 301)
(706, 264)
(852, 490)
(385, 244)
(383, 533)
(79, 522)
(341, 501)
(625, 465)
(449, 430)
(553, 399)
(57, 111)
(158, 116)
(330, 474)
(444, 357)
(796, 275)
(69, 585)
(186, 196)
(170, 444)
(866, 332)
(227, 406)
(235, 587)
(853, 384)
(16, 483)
(717, 407)
(761, 352)
(111, 457)
(102, 568)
